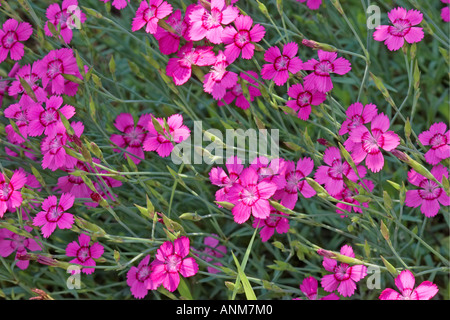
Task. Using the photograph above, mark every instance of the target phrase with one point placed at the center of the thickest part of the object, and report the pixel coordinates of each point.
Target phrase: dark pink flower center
(429, 190)
(250, 194)
(304, 99)
(338, 170)
(342, 272)
(9, 39)
(371, 143)
(6, 190)
(18, 242)
(54, 213)
(272, 221)
(281, 63)
(356, 121)
(143, 273)
(400, 28)
(54, 68)
(241, 38)
(49, 117)
(55, 144)
(173, 263)
(61, 18)
(237, 90)
(293, 180)
(323, 68)
(150, 13)
(212, 20)
(438, 140)
(134, 137)
(84, 253)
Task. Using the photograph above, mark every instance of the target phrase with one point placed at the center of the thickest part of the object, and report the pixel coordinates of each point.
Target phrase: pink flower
(367, 144)
(208, 24)
(347, 195)
(52, 67)
(169, 42)
(304, 99)
(402, 28)
(357, 115)
(250, 196)
(241, 38)
(429, 196)
(212, 252)
(280, 64)
(54, 214)
(19, 113)
(73, 184)
(163, 142)
(149, 13)
(328, 63)
(29, 74)
(170, 261)
(445, 12)
(12, 242)
(218, 80)
(65, 18)
(219, 177)
(270, 171)
(312, 4)
(180, 68)
(332, 174)
(309, 287)
(344, 276)
(236, 93)
(11, 37)
(118, 4)
(84, 253)
(405, 282)
(48, 120)
(276, 221)
(10, 194)
(133, 135)
(438, 137)
(138, 278)
(295, 175)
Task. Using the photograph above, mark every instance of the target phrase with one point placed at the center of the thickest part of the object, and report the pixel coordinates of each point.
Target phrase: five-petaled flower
(84, 253)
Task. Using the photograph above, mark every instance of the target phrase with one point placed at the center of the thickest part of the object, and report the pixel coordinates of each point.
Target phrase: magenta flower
(429, 196)
(218, 80)
(367, 144)
(84, 253)
(304, 99)
(132, 137)
(270, 171)
(209, 24)
(219, 177)
(52, 67)
(73, 184)
(170, 261)
(10, 194)
(357, 115)
(169, 42)
(347, 195)
(250, 196)
(402, 28)
(445, 12)
(236, 93)
(12, 242)
(276, 221)
(344, 276)
(241, 38)
(29, 74)
(54, 214)
(138, 278)
(213, 251)
(65, 18)
(309, 287)
(332, 174)
(328, 63)
(295, 175)
(48, 120)
(12, 35)
(438, 137)
(163, 142)
(19, 113)
(281, 63)
(180, 68)
(149, 13)
(405, 282)
(312, 4)
(118, 4)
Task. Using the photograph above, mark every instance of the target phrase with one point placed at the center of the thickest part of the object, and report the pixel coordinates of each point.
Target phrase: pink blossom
(429, 196)
(236, 93)
(132, 137)
(84, 253)
(65, 18)
(218, 80)
(347, 195)
(169, 42)
(48, 120)
(445, 12)
(405, 282)
(304, 99)
(11, 37)
(180, 68)
(19, 113)
(209, 23)
(170, 261)
(309, 287)
(118, 4)
(163, 142)
(12, 242)
(402, 28)
(367, 144)
(295, 175)
(241, 38)
(219, 177)
(438, 137)
(212, 252)
(328, 63)
(250, 196)
(149, 13)
(73, 184)
(138, 278)
(276, 221)
(281, 63)
(29, 74)
(357, 115)
(344, 276)
(54, 214)
(312, 4)
(332, 174)
(10, 194)
(270, 171)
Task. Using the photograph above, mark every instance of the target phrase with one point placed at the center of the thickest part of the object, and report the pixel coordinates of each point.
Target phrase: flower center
(250, 195)
(438, 141)
(338, 169)
(5, 192)
(55, 68)
(272, 221)
(54, 213)
(49, 116)
(172, 263)
(9, 39)
(371, 143)
(134, 136)
(304, 99)
(400, 28)
(292, 181)
(356, 121)
(143, 273)
(83, 254)
(212, 20)
(323, 68)
(150, 13)
(281, 63)
(341, 272)
(242, 38)
(429, 190)
(61, 18)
